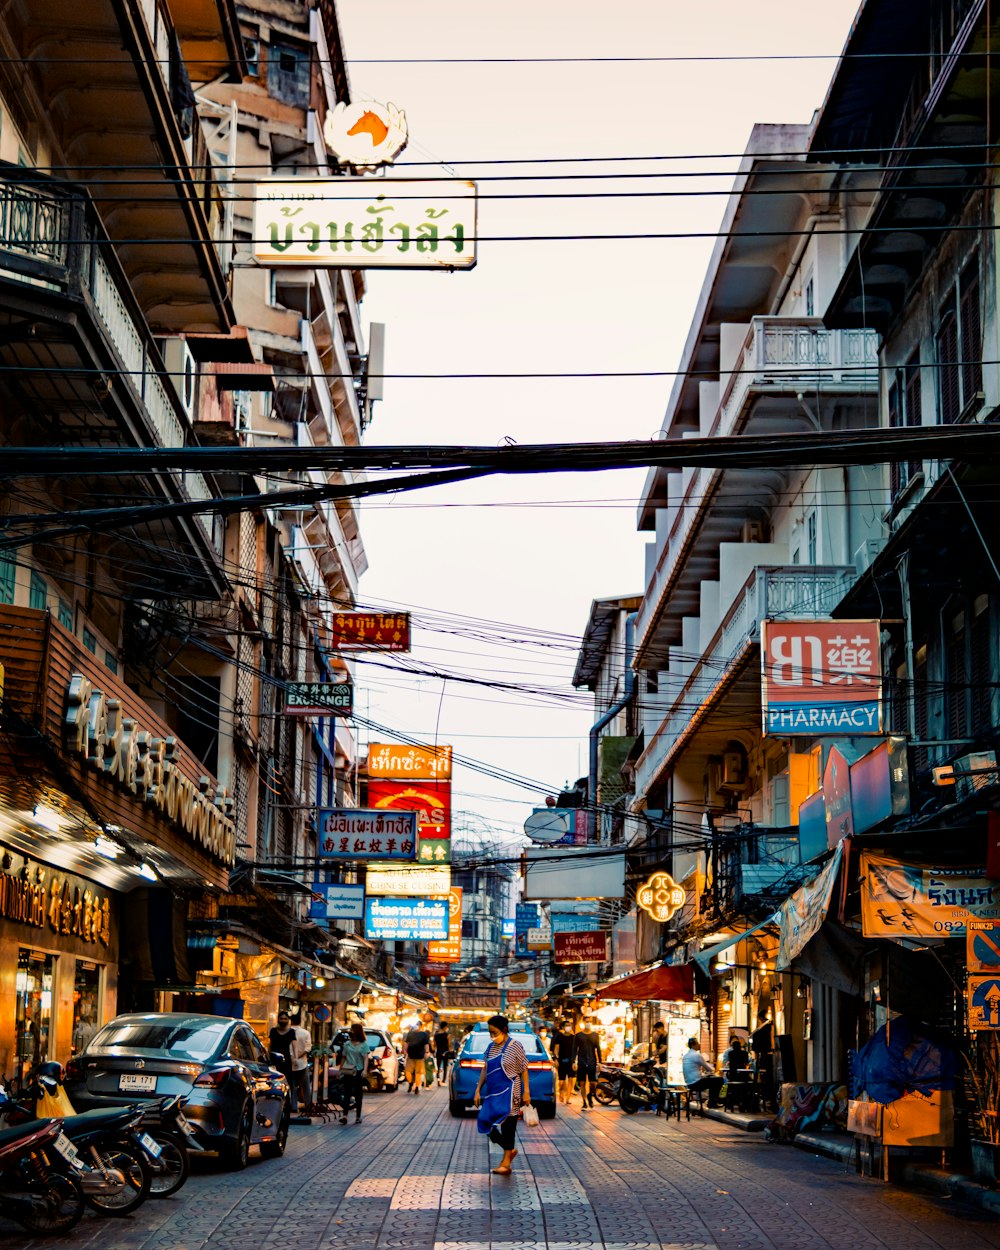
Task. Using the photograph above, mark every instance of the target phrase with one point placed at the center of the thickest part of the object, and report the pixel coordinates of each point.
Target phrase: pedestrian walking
(505, 1076)
(587, 1056)
(298, 1058)
(416, 1043)
(562, 1055)
(442, 1051)
(353, 1062)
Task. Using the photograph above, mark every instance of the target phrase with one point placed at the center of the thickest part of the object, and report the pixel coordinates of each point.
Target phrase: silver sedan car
(235, 1099)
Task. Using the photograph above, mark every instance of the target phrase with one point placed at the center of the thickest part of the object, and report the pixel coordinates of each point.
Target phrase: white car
(383, 1060)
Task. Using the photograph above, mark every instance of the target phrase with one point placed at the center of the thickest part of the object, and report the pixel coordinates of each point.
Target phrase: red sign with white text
(431, 800)
(588, 946)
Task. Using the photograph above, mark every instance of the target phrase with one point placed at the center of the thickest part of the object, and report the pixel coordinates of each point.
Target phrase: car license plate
(151, 1145)
(185, 1125)
(66, 1148)
(137, 1082)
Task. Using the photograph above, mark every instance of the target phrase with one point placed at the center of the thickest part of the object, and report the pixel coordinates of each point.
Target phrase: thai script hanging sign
(580, 948)
(361, 833)
(100, 731)
(821, 677)
(366, 223)
(900, 899)
(391, 761)
(370, 631)
(406, 919)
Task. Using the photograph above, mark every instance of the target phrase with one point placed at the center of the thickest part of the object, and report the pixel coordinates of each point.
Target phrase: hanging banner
(337, 902)
(821, 677)
(431, 800)
(580, 948)
(802, 914)
(900, 899)
(360, 833)
(391, 761)
(369, 631)
(383, 880)
(450, 950)
(365, 223)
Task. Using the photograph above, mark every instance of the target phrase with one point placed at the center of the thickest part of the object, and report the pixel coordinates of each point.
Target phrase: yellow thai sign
(390, 761)
(365, 223)
(901, 899)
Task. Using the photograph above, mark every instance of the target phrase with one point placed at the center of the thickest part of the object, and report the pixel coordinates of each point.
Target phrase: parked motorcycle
(643, 1087)
(111, 1154)
(173, 1132)
(609, 1079)
(32, 1191)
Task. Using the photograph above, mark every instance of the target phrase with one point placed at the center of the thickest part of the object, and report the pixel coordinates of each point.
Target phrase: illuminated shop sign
(388, 761)
(41, 897)
(660, 896)
(821, 677)
(100, 731)
(406, 919)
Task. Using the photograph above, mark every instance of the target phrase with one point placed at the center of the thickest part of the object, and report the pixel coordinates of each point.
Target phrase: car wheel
(546, 1110)
(275, 1149)
(457, 1109)
(237, 1155)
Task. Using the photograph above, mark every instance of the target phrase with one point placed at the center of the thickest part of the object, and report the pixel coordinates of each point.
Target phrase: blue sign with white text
(406, 919)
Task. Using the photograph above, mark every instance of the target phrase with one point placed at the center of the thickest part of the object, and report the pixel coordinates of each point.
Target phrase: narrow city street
(413, 1178)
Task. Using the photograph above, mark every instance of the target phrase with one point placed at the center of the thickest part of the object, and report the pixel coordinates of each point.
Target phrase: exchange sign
(319, 698)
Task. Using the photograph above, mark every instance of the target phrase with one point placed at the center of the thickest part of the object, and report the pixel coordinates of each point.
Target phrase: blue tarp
(889, 1067)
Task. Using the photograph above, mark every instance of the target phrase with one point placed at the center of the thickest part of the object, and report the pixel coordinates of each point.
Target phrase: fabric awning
(662, 982)
(705, 957)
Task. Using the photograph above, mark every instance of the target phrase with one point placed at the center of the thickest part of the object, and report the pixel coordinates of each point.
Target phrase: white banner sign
(366, 223)
(407, 882)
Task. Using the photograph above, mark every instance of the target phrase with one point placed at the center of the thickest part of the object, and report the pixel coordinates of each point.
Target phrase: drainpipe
(595, 729)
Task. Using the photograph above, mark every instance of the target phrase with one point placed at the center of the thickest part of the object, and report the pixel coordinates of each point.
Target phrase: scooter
(39, 1196)
(643, 1087)
(609, 1081)
(110, 1153)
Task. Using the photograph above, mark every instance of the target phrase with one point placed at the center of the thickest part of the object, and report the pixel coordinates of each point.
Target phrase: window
(288, 73)
(89, 640)
(8, 577)
(38, 596)
(981, 664)
(65, 615)
(811, 538)
(959, 346)
(111, 660)
(810, 299)
(904, 411)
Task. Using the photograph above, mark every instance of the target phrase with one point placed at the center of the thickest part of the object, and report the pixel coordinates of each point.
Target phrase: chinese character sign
(360, 833)
(821, 677)
(370, 631)
(900, 899)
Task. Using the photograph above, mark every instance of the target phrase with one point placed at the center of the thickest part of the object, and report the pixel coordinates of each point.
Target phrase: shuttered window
(8, 577)
(959, 346)
(971, 332)
(949, 383)
(981, 664)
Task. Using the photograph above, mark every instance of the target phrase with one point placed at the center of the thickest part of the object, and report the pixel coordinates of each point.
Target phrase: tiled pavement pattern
(412, 1178)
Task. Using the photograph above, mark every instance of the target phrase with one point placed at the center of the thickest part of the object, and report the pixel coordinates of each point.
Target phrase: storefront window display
(33, 1008)
(86, 1003)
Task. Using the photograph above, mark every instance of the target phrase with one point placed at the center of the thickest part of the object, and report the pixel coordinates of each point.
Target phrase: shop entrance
(33, 1009)
(86, 1003)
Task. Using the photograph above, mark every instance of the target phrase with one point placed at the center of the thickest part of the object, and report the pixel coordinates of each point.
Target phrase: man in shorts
(416, 1043)
(562, 1055)
(587, 1055)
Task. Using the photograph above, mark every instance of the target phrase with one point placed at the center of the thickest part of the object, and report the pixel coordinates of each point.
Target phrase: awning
(705, 957)
(662, 982)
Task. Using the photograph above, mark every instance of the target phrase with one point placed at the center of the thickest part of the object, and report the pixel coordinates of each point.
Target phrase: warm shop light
(319, 982)
(660, 896)
(48, 818)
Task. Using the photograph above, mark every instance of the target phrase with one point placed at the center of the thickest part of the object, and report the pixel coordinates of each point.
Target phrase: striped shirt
(514, 1062)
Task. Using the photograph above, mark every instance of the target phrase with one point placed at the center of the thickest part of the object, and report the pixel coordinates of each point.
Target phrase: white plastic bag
(529, 1115)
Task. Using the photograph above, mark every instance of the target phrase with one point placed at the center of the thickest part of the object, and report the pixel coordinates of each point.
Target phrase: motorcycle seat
(97, 1118)
(8, 1135)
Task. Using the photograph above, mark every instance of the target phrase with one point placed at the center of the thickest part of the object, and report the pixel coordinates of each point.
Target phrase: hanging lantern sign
(660, 896)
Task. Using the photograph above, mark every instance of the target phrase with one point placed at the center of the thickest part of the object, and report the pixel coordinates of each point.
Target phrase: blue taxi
(464, 1076)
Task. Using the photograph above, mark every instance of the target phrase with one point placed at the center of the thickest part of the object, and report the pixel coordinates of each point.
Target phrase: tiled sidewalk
(412, 1178)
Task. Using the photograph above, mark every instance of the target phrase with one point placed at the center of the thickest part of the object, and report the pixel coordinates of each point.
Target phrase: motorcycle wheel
(605, 1093)
(132, 1163)
(175, 1161)
(56, 1205)
(628, 1103)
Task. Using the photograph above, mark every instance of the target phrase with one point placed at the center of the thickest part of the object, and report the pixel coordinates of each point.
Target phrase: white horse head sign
(365, 135)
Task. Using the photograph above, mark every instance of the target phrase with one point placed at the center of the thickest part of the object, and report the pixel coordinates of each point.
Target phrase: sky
(500, 574)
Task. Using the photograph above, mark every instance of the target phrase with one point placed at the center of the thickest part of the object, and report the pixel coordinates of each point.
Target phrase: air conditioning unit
(242, 409)
(753, 532)
(182, 370)
(865, 555)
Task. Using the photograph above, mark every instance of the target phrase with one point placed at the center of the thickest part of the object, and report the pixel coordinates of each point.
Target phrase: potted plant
(984, 1123)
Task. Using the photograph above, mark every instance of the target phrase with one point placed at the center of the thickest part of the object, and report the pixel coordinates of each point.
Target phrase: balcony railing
(787, 592)
(791, 352)
(51, 237)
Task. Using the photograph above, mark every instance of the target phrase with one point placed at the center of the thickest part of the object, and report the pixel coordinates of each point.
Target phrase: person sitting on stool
(699, 1073)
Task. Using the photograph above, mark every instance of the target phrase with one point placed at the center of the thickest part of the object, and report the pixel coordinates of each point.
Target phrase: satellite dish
(548, 824)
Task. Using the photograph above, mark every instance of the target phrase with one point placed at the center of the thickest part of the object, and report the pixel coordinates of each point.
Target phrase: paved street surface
(412, 1178)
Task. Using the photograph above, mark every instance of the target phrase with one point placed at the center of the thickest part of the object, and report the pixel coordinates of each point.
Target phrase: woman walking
(353, 1061)
(505, 1075)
